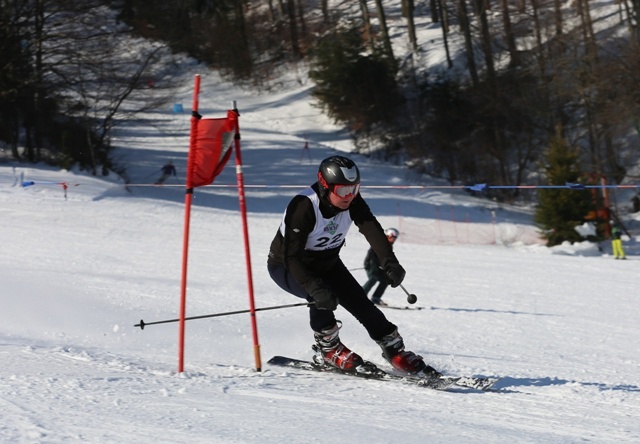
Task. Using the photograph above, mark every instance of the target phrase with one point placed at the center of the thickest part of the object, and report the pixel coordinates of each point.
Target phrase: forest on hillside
(518, 74)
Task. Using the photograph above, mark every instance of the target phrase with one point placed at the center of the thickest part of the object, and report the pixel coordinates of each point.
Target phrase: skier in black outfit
(375, 273)
(304, 261)
(168, 170)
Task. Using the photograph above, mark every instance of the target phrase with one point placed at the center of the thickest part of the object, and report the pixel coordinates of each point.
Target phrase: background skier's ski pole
(155, 172)
(142, 324)
(411, 298)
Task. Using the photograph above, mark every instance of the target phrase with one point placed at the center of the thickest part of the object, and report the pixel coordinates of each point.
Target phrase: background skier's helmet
(392, 234)
(338, 175)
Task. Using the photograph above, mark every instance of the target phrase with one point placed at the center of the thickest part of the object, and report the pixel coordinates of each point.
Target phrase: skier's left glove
(394, 273)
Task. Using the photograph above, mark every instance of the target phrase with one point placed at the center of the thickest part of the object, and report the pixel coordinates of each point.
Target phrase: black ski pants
(350, 295)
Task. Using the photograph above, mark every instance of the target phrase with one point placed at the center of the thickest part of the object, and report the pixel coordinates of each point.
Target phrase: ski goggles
(345, 190)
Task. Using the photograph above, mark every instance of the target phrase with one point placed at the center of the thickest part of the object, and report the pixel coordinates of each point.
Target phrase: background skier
(167, 170)
(616, 241)
(375, 274)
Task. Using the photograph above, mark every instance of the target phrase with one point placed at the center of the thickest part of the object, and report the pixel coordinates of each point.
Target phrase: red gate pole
(245, 232)
(195, 117)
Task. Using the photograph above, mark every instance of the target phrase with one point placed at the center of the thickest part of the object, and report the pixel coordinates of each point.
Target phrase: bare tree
(435, 8)
(537, 26)
(557, 6)
(584, 13)
(465, 27)
(508, 33)
(82, 72)
(293, 29)
(303, 23)
(485, 33)
(366, 22)
(635, 13)
(442, 12)
(282, 9)
(624, 4)
(384, 30)
(324, 7)
(408, 8)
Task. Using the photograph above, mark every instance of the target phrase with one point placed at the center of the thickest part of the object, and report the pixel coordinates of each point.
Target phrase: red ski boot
(330, 350)
(402, 360)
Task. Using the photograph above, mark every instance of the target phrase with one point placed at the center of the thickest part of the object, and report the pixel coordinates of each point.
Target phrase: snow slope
(560, 326)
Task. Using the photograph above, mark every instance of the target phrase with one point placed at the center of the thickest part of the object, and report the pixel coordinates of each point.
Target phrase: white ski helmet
(391, 232)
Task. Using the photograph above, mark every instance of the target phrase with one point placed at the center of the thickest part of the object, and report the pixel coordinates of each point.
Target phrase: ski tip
(277, 360)
(442, 383)
(482, 383)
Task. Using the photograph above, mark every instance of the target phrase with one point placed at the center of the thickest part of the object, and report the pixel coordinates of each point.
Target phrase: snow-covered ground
(560, 326)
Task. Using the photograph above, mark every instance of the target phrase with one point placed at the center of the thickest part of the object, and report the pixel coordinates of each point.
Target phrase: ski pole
(142, 324)
(411, 298)
(155, 172)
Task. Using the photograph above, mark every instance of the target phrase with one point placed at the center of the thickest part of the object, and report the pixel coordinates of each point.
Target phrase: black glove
(324, 297)
(394, 273)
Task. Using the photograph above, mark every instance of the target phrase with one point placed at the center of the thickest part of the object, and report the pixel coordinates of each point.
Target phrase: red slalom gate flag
(212, 149)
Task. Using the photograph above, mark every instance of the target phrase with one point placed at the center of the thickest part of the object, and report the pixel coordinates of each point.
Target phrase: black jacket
(372, 265)
(306, 266)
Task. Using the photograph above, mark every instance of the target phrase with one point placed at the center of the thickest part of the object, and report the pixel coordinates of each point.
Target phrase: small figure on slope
(304, 260)
(616, 241)
(167, 170)
(375, 273)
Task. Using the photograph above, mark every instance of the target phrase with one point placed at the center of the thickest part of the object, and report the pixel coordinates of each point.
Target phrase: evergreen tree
(353, 87)
(560, 210)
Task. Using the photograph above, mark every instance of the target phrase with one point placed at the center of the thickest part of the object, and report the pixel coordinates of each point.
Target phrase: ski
(400, 307)
(476, 383)
(371, 372)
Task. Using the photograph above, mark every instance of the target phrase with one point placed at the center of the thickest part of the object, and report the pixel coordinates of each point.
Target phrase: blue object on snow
(478, 187)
